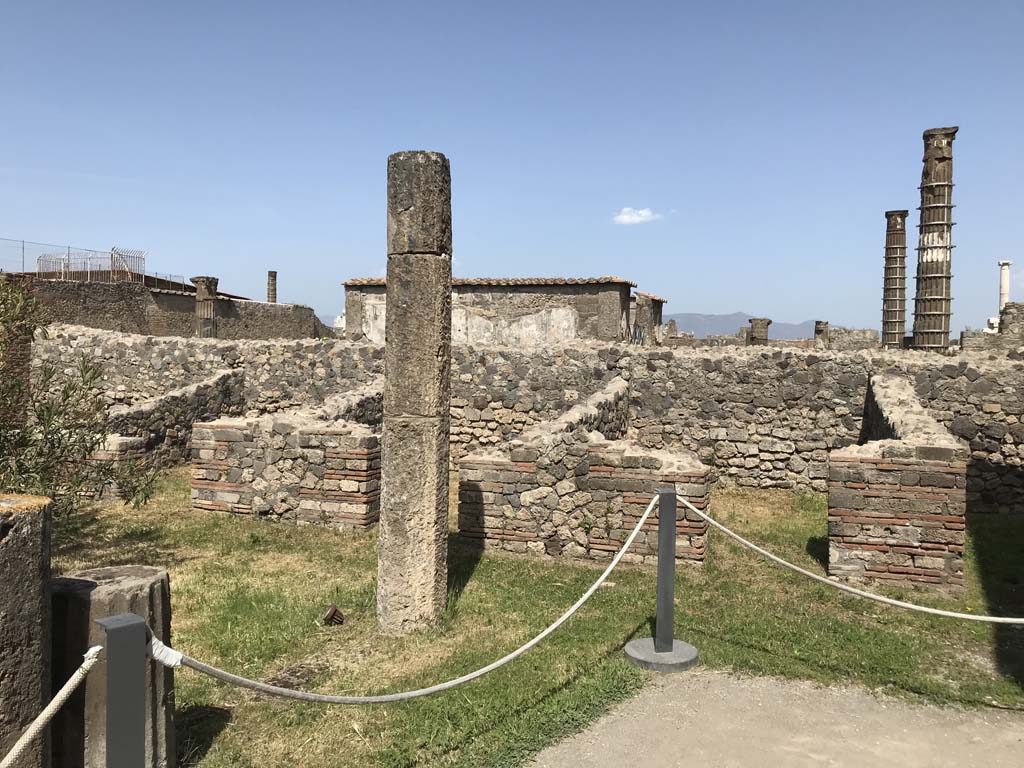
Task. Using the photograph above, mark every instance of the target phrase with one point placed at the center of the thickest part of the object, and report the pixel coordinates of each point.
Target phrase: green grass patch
(247, 595)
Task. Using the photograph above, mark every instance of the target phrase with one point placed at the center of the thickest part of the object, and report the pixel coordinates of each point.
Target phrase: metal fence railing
(64, 262)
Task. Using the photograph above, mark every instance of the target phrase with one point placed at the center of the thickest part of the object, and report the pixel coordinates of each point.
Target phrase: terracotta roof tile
(652, 297)
(500, 281)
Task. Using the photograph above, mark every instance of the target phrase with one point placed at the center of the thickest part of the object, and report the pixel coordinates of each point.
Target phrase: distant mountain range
(702, 326)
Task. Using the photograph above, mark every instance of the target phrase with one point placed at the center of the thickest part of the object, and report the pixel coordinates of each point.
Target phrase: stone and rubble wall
(279, 374)
(760, 417)
(897, 502)
(318, 465)
(137, 308)
(575, 488)
(1008, 341)
(163, 425)
(852, 339)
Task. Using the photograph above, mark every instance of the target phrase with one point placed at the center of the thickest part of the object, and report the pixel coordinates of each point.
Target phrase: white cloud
(635, 216)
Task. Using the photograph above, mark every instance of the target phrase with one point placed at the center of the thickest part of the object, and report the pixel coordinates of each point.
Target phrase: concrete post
(894, 286)
(271, 287)
(24, 622)
(206, 306)
(413, 546)
(758, 331)
(933, 300)
(1004, 283)
(821, 340)
(79, 599)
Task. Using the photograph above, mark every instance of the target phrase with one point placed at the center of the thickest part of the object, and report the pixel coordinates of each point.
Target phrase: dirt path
(704, 718)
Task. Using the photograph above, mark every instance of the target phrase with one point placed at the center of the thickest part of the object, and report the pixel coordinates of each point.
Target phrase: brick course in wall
(319, 465)
(566, 489)
(897, 503)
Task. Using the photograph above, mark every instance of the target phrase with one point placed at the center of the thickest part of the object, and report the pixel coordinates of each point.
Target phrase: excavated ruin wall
(759, 417)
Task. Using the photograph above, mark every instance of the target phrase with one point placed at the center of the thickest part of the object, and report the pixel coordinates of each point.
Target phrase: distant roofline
(652, 297)
(504, 281)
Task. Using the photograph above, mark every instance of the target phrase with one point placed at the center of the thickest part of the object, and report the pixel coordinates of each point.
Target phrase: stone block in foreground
(79, 599)
(24, 622)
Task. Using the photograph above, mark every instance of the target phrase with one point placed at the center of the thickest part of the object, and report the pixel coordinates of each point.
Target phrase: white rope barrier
(170, 657)
(847, 588)
(43, 718)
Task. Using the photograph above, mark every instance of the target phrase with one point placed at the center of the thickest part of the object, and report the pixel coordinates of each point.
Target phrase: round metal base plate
(641, 654)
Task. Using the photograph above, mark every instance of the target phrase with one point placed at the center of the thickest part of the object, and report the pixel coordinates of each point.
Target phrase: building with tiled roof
(512, 311)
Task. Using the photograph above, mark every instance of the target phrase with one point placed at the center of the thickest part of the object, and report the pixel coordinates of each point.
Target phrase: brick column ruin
(24, 622)
(1004, 283)
(933, 301)
(758, 331)
(894, 287)
(413, 546)
(206, 306)
(271, 286)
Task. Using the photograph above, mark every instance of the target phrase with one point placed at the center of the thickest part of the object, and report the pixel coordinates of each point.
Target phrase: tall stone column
(206, 306)
(413, 546)
(933, 301)
(271, 286)
(758, 331)
(1004, 283)
(24, 622)
(894, 287)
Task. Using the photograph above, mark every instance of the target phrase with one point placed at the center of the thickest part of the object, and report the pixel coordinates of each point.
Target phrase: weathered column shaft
(413, 545)
(933, 300)
(24, 622)
(1004, 283)
(821, 340)
(206, 306)
(758, 331)
(894, 286)
(271, 287)
(79, 599)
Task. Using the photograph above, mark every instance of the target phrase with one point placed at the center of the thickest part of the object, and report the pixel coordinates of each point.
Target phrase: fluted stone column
(1004, 283)
(24, 622)
(758, 331)
(206, 306)
(413, 546)
(933, 301)
(894, 287)
(271, 286)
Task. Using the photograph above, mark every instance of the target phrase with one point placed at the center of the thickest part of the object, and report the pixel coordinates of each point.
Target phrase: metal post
(126, 690)
(663, 653)
(666, 615)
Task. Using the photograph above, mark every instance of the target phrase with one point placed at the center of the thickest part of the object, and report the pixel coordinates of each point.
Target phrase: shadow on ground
(817, 547)
(995, 520)
(197, 727)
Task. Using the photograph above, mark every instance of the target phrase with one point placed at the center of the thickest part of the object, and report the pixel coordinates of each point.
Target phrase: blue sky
(767, 139)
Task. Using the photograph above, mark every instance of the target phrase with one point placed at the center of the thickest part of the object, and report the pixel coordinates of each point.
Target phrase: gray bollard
(127, 663)
(663, 653)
